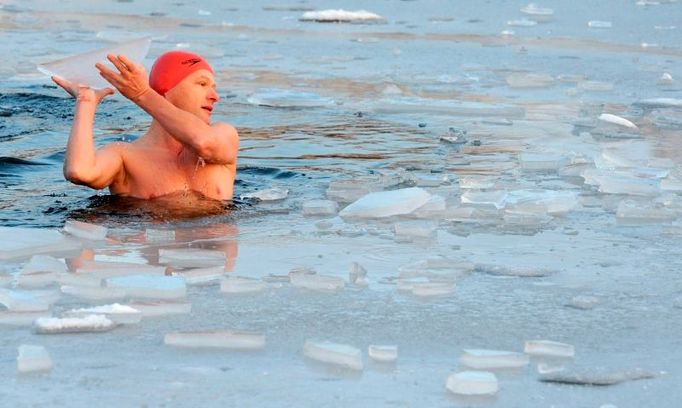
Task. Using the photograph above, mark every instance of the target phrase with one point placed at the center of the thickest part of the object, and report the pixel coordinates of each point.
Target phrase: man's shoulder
(225, 127)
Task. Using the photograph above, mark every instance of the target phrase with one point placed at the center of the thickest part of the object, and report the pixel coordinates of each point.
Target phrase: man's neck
(159, 136)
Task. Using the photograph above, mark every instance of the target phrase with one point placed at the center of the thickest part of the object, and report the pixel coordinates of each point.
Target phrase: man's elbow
(77, 176)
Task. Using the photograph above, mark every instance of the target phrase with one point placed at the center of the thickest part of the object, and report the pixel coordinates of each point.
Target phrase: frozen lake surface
(489, 194)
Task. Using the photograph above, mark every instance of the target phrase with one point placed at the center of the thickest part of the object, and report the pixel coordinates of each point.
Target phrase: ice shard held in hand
(80, 69)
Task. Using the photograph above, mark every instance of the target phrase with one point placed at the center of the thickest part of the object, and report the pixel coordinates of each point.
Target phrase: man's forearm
(79, 162)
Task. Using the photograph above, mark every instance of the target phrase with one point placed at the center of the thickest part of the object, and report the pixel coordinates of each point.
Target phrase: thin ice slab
(387, 203)
(548, 348)
(23, 242)
(597, 376)
(80, 69)
(227, 339)
(472, 383)
(202, 276)
(383, 353)
(191, 257)
(85, 230)
(119, 314)
(24, 301)
(316, 282)
(161, 308)
(150, 287)
(319, 208)
(93, 293)
(481, 359)
(238, 284)
(87, 324)
(33, 358)
(334, 353)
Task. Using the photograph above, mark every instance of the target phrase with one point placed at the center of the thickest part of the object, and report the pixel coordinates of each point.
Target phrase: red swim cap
(172, 67)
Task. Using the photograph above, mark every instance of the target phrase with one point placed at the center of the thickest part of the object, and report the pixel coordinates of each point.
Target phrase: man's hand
(82, 93)
(131, 80)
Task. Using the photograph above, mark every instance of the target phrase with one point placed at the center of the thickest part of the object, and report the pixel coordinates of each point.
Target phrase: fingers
(132, 66)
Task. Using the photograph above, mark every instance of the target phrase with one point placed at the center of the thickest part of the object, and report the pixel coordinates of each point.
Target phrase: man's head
(186, 80)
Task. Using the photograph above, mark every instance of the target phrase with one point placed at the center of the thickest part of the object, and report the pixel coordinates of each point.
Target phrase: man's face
(195, 94)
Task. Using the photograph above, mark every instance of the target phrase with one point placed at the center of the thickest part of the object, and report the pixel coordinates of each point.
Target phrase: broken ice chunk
(524, 22)
(583, 302)
(432, 209)
(87, 324)
(44, 263)
(346, 191)
(548, 348)
(542, 161)
(433, 289)
(159, 235)
(202, 276)
(150, 287)
(35, 279)
(494, 198)
(630, 211)
(96, 293)
(598, 376)
(117, 313)
(226, 339)
(595, 86)
(383, 354)
(191, 257)
(519, 271)
(472, 383)
(492, 359)
(161, 308)
(23, 242)
(320, 207)
(599, 24)
(106, 269)
(340, 16)
(239, 284)
(85, 230)
(357, 275)
(8, 318)
(529, 80)
(416, 229)
(334, 353)
(387, 203)
(271, 194)
(24, 301)
(33, 358)
(316, 282)
(617, 120)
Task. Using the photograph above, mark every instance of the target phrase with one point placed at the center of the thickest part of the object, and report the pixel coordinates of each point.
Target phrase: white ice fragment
(416, 229)
(320, 207)
(32, 358)
(660, 103)
(665, 79)
(346, 191)
(44, 263)
(383, 353)
(334, 353)
(387, 203)
(161, 308)
(340, 15)
(223, 339)
(518, 271)
(599, 24)
(433, 289)
(270, 194)
(89, 323)
(204, 12)
(24, 301)
(35, 279)
(85, 230)
(583, 302)
(287, 98)
(95, 293)
(80, 69)
(357, 275)
(20, 242)
(106, 269)
(120, 314)
(533, 9)
(239, 284)
(159, 235)
(630, 211)
(617, 120)
(321, 283)
(433, 208)
(522, 23)
(202, 276)
(529, 80)
(191, 257)
(595, 86)
(480, 359)
(472, 383)
(496, 198)
(150, 287)
(548, 348)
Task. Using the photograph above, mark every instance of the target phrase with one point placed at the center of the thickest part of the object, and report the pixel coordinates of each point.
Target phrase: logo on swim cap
(174, 66)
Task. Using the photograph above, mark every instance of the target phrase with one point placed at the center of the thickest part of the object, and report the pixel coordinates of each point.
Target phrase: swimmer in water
(182, 149)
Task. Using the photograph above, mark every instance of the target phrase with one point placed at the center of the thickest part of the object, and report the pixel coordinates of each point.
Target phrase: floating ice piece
(472, 383)
(416, 229)
(599, 24)
(334, 353)
(660, 103)
(33, 358)
(433, 289)
(665, 79)
(493, 359)
(238, 284)
(413, 105)
(433, 208)
(529, 80)
(550, 201)
(20, 242)
(87, 324)
(597, 376)
(533, 9)
(542, 161)
(150, 287)
(161, 308)
(270, 194)
(341, 16)
(202, 276)
(226, 339)
(85, 230)
(407, 284)
(630, 211)
(548, 348)
(524, 22)
(96, 293)
(117, 313)
(628, 185)
(357, 275)
(44, 263)
(316, 282)
(617, 120)
(495, 198)
(24, 301)
(80, 68)
(549, 368)
(595, 86)
(159, 235)
(320, 207)
(105, 269)
(383, 353)
(583, 302)
(519, 271)
(387, 203)
(8, 318)
(286, 98)
(346, 191)
(191, 257)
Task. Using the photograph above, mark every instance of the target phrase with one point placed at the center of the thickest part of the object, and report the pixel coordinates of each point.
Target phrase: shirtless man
(181, 151)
